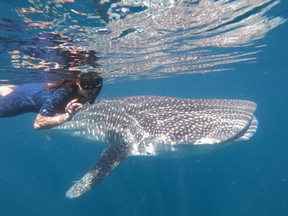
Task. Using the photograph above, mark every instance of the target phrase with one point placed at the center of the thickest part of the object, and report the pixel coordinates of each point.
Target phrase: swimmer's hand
(46, 122)
(72, 107)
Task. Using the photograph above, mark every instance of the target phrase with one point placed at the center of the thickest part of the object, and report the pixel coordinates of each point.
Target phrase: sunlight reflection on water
(137, 39)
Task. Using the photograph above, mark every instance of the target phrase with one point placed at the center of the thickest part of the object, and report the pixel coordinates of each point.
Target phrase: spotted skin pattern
(152, 125)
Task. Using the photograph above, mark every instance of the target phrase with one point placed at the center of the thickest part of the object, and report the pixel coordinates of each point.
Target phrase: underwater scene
(193, 107)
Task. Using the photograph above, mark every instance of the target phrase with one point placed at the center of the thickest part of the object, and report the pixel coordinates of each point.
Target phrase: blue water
(246, 179)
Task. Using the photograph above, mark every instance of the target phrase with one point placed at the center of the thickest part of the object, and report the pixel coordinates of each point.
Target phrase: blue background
(248, 178)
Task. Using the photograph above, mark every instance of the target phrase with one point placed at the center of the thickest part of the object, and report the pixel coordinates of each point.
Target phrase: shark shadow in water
(151, 125)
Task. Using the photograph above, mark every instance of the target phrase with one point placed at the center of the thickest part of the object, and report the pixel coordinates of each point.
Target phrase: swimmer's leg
(6, 89)
(12, 104)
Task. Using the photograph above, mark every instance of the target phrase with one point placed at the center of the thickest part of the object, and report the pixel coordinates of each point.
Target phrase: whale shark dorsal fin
(110, 158)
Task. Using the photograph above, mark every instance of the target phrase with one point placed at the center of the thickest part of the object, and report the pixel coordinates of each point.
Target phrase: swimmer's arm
(46, 122)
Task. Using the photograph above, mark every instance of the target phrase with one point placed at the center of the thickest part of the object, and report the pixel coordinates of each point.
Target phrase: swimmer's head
(91, 83)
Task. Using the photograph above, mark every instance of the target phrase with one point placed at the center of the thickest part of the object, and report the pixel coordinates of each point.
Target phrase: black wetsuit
(34, 98)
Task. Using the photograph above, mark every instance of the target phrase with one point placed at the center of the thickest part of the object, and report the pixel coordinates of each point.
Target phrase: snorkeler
(55, 103)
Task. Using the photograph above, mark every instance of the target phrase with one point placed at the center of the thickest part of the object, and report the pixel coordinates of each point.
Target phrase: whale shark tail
(249, 132)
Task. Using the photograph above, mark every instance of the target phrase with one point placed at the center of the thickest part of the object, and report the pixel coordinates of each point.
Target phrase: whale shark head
(151, 125)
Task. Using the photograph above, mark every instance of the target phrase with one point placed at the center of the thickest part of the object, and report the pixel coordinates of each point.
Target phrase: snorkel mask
(91, 81)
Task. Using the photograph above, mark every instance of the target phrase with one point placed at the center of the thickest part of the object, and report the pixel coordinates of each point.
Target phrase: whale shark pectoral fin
(110, 158)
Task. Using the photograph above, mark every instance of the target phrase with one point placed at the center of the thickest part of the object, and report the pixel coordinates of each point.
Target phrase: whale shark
(154, 125)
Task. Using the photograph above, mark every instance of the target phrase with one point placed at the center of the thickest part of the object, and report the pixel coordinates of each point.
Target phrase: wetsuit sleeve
(54, 101)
